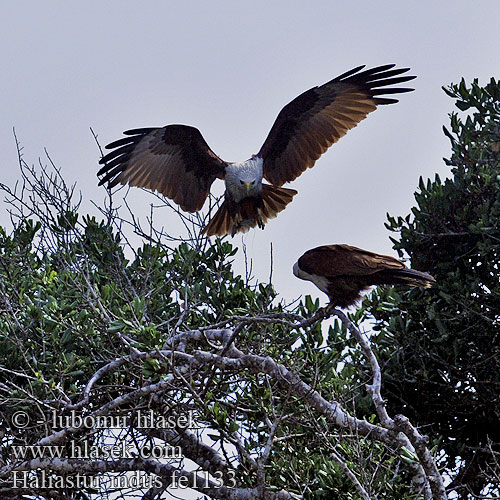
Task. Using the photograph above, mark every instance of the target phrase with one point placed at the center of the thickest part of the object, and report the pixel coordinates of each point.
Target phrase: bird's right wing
(174, 160)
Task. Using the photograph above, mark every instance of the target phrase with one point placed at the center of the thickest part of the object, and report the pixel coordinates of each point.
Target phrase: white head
(244, 179)
(297, 270)
(320, 281)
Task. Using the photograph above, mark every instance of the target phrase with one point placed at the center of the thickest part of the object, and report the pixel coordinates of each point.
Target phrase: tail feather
(221, 223)
(275, 199)
(409, 277)
(250, 212)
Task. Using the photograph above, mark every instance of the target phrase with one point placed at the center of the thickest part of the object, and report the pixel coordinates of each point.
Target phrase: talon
(236, 225)
(259, 219)
(325, 311)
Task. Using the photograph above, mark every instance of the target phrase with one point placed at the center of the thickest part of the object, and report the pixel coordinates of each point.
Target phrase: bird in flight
(343, 272)
(176, 161)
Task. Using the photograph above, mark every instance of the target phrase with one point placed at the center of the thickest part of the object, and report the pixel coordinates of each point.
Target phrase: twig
(350, 475)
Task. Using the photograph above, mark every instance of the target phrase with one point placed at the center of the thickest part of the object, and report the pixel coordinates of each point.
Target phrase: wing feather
(319, 117)
(345, 260)
(174, 160)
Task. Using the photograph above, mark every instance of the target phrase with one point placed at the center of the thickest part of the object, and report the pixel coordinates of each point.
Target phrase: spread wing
(307, 126)
(174, 160)
(345, 260)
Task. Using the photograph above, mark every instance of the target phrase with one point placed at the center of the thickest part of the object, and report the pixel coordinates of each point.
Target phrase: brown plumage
(272, 201)
(176, 161)
(343, 272)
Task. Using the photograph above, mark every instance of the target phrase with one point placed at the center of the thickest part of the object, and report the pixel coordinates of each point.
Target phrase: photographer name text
(142, 420)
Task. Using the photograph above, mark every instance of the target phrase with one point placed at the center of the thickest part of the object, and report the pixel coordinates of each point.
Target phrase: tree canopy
(137, 370)
(441, 350)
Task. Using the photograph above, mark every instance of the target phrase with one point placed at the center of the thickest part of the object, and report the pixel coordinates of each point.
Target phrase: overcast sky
(228, 67)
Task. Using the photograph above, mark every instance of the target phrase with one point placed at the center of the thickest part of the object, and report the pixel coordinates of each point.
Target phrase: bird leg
(250, 222)
(241, 223)
(236, 225)
(259, 219)
(326, 311)
(247, 222)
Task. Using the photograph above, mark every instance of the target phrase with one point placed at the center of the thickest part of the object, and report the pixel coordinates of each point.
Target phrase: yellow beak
(248, 185)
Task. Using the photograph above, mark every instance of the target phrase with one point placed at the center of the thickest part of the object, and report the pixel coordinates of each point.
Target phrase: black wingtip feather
(349, 73)
(380, 101)
(115, 161)
(377, 80)
(387, 74)
(117, 152)
(377, 73)
(110, 173)
(120, 142)
(378, 69)
(400, 90)
(139, 131)
(102, 170)
(373, 73)
(119, 160)
(390, 81)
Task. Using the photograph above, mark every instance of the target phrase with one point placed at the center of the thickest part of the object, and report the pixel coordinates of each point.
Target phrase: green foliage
(73, 301)
(441, 347)
(62, 309)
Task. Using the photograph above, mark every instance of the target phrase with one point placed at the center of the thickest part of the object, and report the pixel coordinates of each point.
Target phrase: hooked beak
(248, 186)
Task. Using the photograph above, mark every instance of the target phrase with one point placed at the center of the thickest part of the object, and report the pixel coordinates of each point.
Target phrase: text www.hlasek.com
(102, 452)
(49, 480)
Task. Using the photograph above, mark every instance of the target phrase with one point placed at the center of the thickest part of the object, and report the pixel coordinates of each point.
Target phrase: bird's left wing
(174, 160)
(307, 126)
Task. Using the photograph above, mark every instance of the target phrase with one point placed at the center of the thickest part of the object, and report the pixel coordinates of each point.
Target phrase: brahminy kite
(343, 272)
(176, 161)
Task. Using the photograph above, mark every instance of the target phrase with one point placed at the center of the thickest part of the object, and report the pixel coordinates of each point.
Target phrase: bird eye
(253, 182)
(241, 182)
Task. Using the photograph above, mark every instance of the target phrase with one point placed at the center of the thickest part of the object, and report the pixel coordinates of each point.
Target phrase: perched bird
(176, 161)
(343, 272)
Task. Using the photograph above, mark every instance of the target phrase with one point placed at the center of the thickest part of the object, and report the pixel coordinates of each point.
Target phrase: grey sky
(228, 67)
